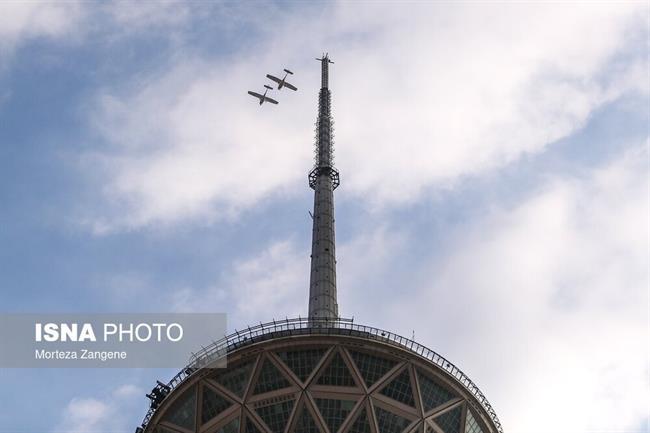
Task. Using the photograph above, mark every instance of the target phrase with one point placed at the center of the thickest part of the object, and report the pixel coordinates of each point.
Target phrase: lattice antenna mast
(323, 179)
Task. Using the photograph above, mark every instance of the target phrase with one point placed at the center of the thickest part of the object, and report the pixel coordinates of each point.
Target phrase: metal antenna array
(323, 179)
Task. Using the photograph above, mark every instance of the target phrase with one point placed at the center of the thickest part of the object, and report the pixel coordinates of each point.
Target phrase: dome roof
(293, 377)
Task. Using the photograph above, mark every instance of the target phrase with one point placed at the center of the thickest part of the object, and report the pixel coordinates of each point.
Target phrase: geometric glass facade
(321, 384)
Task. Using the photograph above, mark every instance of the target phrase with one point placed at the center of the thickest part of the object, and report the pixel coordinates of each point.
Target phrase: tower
(323, 179)
(321, 374)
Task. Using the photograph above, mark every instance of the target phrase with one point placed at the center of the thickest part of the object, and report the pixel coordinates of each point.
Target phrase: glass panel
(450, 420)
(270, 379)
(231, 427)
(336, 373)
(400, 389)
(250, 427)
(361, 424)
(305, 423)
(334, 411)
(302, 362)
(183, 410)
(212, 404)
(471, 426)
(388, 422)
(276, 415)
(433, 395)
(161, 429)
(372, 367)
(235, 379)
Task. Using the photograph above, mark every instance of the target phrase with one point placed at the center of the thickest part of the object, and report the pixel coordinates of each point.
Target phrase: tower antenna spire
(323, 179)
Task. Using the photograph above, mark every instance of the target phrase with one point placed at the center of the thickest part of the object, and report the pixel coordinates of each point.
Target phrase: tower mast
(323, 179)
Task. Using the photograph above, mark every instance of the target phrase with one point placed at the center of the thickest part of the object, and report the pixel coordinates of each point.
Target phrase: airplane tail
(268, 87)
(288, 71)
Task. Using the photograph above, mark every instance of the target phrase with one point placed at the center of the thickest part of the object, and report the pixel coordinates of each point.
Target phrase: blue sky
(494, 197)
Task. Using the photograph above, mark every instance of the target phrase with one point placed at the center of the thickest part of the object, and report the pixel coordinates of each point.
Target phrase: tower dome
(320, 374)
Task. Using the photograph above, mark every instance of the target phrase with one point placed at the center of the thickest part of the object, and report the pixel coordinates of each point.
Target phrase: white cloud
(77, 21)
(20, 20)
(546, 303)
(365, 265)
(450, 92)
(127, 391)
(98, 415)
(140, 15)
(272, 284)
(422, 96)
(85, 415)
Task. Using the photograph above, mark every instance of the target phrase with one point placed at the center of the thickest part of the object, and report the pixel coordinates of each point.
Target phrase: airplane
(263, 98)
(282, 82)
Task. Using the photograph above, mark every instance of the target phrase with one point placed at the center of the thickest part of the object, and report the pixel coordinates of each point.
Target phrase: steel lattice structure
(323, 179)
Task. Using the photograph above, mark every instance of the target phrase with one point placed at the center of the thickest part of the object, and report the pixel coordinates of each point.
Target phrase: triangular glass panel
(183, 410)
(270, 379)
(471, 426)
(449, 421)
(433, 395)
(231, 427)
(417, 428)
(400, 389)
(212, 404)
(429, 428)
(275, 416)
(388, 422)
(301, 362)
(361, 424)
(236, 378)
(334, 412)
(161, 429)
(372, 367)
(250, 427)
(336, 373)
(305, 423)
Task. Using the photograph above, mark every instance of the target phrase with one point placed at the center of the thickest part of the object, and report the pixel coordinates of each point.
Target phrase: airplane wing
(272, 101)
(257, 95)
(271, 77)
(290, 86)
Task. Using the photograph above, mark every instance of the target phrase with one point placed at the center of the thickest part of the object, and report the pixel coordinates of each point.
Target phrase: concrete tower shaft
(323, 179)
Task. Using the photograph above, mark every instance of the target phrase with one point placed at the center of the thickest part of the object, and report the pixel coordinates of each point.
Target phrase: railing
(303, 326)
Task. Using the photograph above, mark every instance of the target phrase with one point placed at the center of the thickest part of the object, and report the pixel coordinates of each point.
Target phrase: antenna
(323, 179)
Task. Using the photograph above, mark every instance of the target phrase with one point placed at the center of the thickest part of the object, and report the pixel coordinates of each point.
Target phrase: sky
(494, 198)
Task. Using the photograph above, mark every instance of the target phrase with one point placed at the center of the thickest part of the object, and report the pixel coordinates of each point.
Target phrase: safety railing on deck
(304, 326)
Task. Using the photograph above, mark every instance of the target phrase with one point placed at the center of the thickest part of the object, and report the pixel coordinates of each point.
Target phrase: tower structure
(321, 374)
(323, 179)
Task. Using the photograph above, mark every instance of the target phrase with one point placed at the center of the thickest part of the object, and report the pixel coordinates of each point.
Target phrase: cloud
(369, 263)
(274, 282)
(74, 21)
(271, 284)
(554, 289)
(20, 21)
(452, 92)
(422, 96)
(95, 415)
(85, 415)
(142, 15)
